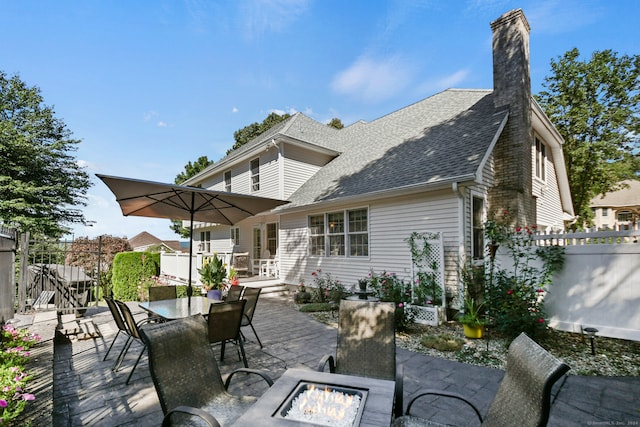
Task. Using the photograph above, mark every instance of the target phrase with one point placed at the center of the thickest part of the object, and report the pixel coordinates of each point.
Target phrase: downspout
(459, 191)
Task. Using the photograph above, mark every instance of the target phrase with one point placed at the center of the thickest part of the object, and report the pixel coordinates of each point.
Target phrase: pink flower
(510, 291)
(400, 305)
(518, 229)
(28, 396)
(541, 320)
(540, 291)
(3, 403)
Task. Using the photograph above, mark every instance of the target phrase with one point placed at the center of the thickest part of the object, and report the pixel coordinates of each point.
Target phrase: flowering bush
(14, 354)
(325, 288)
(390, 288)
(514, 298)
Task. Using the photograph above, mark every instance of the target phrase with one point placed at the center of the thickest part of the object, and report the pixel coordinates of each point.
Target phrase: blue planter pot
(215, 294)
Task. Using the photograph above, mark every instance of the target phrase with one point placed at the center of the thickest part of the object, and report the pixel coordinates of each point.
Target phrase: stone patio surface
(75, 387)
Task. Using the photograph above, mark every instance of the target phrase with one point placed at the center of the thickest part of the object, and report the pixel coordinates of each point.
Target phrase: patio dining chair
(186, 375)
(251, 295)
(134, 328)
(157, 293)
(234, 293)
(524, 395)
(120, 323)
(224, 322)
(367, 344)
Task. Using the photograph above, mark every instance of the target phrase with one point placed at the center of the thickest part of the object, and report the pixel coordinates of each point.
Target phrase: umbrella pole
(189, 287)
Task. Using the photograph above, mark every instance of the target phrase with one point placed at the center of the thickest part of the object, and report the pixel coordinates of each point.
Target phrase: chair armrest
(264, 376)
(323, 362)
(197, 412)
(444, 394)
(398, 407)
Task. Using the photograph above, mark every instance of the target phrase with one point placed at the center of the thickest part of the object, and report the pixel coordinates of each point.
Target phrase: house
(440, 165)
(145, 241)
(618, 210)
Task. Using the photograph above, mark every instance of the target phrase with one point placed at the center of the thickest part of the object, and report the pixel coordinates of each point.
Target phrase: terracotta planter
(473, 331)
(493, 248)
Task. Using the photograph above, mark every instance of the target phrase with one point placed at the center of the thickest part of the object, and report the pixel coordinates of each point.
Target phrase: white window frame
(271, 237)
(541, 159)
(331, 234)
(255, 174)
(477, 226)
(227, 181)
(205, 242)
(234, 235)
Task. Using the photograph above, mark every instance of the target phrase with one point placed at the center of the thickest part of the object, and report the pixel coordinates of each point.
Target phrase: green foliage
(316, 307)
(131, 271)
(252, 131)
(14, 354)
(190, 170)
(514, 297)
(390, 288)
(594, 105)
(41, 183)
(473, 315)
(336, 123)
(325, 288)
(213, 273)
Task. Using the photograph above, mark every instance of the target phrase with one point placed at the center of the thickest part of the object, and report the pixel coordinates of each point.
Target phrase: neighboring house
(145, 241)
(439, 165)
(618, 210)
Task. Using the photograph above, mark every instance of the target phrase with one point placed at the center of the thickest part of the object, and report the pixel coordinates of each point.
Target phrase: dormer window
(541, 160)
(255, 175)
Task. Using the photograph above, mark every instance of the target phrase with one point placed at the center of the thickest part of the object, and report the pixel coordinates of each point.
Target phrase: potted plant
(212, 275)
(233, 277)
(472, 320)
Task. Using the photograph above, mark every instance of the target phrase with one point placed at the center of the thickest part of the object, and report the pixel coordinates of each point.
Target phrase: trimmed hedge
(130, 270)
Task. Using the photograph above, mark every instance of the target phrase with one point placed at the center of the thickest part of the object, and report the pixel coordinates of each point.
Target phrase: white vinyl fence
(599, 286)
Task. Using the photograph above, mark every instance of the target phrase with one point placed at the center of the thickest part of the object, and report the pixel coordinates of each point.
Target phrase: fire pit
(324, 404)
(337, 400)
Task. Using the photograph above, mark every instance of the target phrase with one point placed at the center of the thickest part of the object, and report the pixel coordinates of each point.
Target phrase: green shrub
(316, 306)
(390, 288)
(325, 288)
(131, 274)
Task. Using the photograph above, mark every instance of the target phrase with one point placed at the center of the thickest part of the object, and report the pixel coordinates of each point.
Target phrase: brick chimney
(512, 91)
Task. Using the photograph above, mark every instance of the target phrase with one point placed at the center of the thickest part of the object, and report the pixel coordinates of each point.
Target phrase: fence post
(23, 278)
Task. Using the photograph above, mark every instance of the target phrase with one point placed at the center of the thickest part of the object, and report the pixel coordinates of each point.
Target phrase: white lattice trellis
(427, 256)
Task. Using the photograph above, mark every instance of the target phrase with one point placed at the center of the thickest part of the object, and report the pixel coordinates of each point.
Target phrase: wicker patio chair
(134, 331)
(524, 396)
(186, 376)
(157, 293)
(367, 344)
(224, 322)
(251, 295)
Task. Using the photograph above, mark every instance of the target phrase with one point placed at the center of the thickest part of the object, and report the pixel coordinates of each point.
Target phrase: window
(316, 234)
(541, 159)
(235, 236)
(257, 243)
(272, 238)
(255, 175)
(477, 247)
(605, 211)
(624, 216)
(339, 233)
(227, 181)
(335, 232)
(205, 242)
(358, 233)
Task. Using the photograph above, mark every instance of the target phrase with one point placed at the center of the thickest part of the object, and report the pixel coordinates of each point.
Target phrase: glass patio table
(178, 308)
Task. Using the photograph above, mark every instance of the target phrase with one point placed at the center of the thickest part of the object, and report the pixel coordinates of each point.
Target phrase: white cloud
(234, 110)
(261, 16)
(373, 80)
(161, 124)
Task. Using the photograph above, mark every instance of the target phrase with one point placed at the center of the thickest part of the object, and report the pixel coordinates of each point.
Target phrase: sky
(148, 86)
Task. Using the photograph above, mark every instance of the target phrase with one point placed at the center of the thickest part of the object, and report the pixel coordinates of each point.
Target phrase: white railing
(589, 237)
(174, 267)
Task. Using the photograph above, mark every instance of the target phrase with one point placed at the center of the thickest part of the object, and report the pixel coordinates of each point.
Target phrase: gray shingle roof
(434, 140)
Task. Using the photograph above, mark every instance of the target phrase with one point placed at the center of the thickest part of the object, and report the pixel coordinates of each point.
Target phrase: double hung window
(342, 233)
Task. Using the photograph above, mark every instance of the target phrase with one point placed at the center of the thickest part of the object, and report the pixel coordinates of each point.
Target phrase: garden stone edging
(39, 412)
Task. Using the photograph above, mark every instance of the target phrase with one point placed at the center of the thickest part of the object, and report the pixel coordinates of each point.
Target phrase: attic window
(541, 160)
(255, 175)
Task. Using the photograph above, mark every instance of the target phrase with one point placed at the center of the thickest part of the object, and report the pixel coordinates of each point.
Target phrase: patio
(86, 393)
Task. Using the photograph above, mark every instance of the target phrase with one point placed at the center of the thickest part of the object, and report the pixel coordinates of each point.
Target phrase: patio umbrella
(159, 200)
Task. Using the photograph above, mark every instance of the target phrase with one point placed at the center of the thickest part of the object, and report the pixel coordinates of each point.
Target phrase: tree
(595, 106)
(247, 133)
(41, 183)
(335, 123)
(190, 170)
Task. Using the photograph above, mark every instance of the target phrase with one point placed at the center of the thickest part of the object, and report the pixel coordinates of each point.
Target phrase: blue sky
(151, 85)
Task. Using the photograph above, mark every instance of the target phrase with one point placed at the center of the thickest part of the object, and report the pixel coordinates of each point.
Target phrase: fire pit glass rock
(324, 404)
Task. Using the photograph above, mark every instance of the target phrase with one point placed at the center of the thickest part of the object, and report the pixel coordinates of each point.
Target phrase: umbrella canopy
(159, 200)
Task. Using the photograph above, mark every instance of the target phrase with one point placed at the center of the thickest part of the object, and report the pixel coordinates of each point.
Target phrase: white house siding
(548, 205)
(299, 166)
(391, 221)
